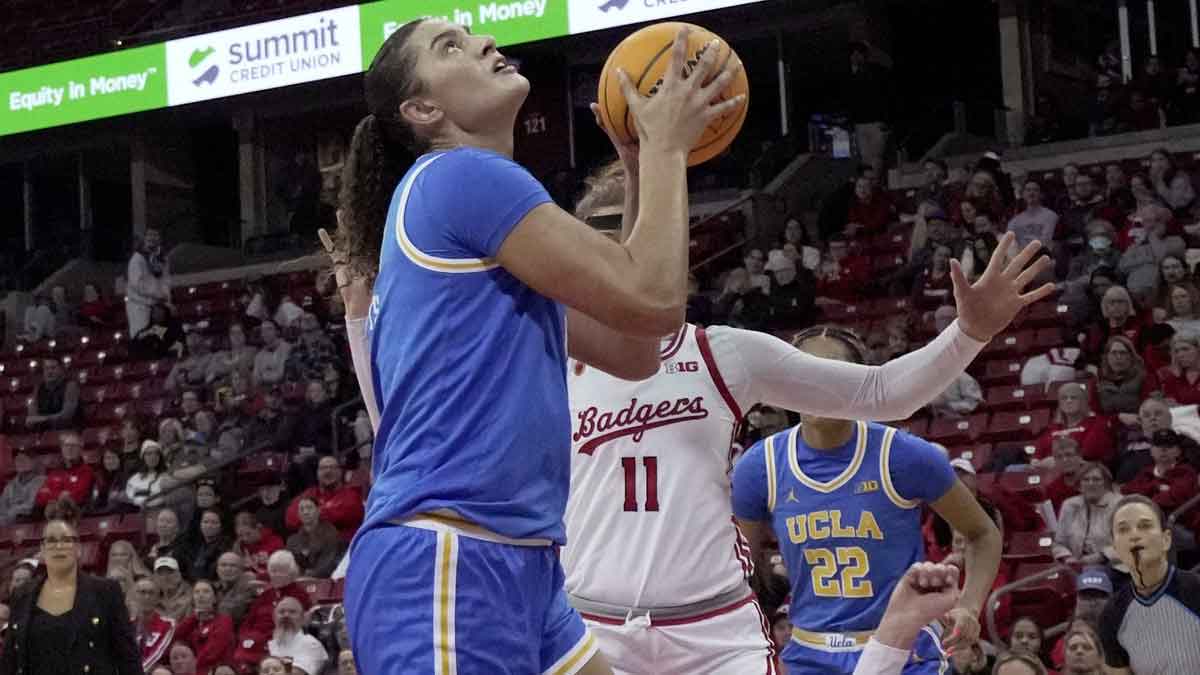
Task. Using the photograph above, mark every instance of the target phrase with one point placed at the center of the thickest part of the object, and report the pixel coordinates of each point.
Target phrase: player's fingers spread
(678, 55)
(718, 85)
(1042, 292)
(717, 109)
(633, 98)
(1032, 272)
(1022, 259)
(705, 64)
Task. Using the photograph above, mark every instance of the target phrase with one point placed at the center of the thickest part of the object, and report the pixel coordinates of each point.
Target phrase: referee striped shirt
(1158, 634)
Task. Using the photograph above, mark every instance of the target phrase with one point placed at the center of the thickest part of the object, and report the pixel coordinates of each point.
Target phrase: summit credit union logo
(197, 60)
(295, 50)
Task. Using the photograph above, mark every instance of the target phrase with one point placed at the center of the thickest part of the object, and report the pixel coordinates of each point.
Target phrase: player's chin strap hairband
(858, 350)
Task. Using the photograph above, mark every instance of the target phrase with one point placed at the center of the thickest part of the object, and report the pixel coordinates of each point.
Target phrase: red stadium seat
(319, 590)
(19, 385)
(978, 454)
(1008, 398)
(917, 426)
(1001, 372)
(1017, 425)
(1015, 452)
(106, 413)
(1030, 547)
(146, 389)
(844, 313)
(957, 431)
(339, 589)
(18, 366)
(1028, 484)
(1046, 314)
(23, 441)
(89, 556)
(1009, 344)
(93, 394)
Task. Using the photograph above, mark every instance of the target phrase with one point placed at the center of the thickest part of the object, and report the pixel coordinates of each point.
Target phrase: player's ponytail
(382, 150)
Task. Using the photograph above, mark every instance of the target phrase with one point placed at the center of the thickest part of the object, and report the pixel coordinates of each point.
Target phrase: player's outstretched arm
(961, 510)
(782, 376)
(925, 593)
(638, 287)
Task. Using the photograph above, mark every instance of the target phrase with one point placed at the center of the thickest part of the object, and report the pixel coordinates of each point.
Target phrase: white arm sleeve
(763, 368)
(880, 659)
(360, 353)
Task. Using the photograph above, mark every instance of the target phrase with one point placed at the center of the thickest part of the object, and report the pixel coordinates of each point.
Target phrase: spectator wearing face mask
(1100, 253)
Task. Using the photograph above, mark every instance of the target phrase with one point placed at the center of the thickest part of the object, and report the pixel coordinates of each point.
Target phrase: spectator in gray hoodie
(17, 499)
(1141, 259)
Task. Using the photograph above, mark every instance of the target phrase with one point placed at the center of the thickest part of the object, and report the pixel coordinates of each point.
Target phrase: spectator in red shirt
(1180, 381)
(841, 276)
(74, 477)
(870, 210)
(255, 543)
(1168, 481)
(1094, 434)
(1067, 464)
(259, 623)
(341, 505)
(209, 633)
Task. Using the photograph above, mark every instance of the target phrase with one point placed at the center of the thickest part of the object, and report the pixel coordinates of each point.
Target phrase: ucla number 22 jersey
(847, 520)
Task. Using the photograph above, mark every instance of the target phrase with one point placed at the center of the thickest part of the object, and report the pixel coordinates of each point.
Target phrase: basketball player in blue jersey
(454, 569)
(843, 498)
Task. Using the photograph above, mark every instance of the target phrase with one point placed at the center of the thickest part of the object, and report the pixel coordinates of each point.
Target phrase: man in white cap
(289, 641)
(175, 594)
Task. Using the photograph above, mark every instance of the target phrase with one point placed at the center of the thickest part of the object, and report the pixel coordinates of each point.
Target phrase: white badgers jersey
(648, 518)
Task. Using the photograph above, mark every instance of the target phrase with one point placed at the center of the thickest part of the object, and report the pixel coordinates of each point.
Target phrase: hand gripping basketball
(683, 106)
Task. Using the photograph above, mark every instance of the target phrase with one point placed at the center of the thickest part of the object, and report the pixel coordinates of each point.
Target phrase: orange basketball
(644, 56)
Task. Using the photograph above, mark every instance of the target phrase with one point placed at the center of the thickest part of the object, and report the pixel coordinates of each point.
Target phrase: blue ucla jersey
(469, 363)
(847, 519)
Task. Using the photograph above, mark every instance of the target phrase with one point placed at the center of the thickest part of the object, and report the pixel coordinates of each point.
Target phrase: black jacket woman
(66, 621)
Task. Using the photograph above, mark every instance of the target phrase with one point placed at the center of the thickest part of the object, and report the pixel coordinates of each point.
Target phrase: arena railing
(993, 600)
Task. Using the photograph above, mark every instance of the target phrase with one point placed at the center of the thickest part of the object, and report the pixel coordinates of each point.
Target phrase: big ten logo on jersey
(839, 571)
(672, 367)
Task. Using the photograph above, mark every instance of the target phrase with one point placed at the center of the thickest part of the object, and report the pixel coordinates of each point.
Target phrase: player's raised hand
(677, 114)
(926, 593)
(987, 306)
(355, 289)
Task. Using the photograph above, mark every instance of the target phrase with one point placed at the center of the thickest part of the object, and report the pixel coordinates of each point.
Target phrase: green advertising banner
(510, 21)
(119, 83)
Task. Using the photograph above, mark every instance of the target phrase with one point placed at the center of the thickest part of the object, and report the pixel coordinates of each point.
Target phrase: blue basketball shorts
(437, 601)
(801, 658)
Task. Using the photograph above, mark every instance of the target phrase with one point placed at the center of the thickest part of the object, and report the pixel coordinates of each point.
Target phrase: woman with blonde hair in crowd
(1084, 654)
(124, 565)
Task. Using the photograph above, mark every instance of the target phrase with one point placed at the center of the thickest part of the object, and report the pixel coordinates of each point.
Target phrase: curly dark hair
(382, 150)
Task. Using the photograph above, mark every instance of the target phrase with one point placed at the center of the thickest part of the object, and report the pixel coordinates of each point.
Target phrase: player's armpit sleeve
(360, 354)
(750, 485)
(481, 196)
(785, 377)
(880, 659)
(920, 471)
